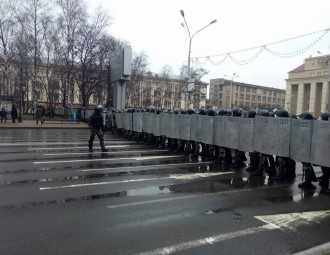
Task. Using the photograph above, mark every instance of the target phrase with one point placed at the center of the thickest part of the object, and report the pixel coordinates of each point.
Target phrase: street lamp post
(190, 40)
(231, 89)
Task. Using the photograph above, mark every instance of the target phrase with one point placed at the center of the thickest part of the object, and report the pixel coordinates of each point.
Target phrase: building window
(269, 99)
(263, 99)
(264, 92)
(241, 89)
(254, 90)
(247, 90)
(259, 98)
(247, 97)
(253, 98)
(241, 96)
(258, 91)
(270, 93)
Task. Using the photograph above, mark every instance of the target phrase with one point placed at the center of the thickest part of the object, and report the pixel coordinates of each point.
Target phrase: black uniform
(95, 124)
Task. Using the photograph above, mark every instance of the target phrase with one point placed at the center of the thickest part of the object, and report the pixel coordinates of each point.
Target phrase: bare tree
(133, 86)
(91, 62)
(71, 18)
(7, 41)
(37, 19)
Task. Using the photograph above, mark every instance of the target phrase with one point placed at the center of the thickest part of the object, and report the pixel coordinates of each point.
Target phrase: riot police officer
(254, 156)
(308, 171)
(286, 166)
(95, 124)
(239, 156)
(324, 179)
(266, 161)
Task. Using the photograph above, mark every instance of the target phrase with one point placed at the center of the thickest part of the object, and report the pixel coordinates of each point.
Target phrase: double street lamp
(185, 25)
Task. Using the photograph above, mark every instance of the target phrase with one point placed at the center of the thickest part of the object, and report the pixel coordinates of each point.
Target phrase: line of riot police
(274, 140)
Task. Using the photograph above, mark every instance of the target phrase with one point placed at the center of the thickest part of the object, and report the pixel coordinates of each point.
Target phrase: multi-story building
(171, 93)
(243, 95)
(307, 86)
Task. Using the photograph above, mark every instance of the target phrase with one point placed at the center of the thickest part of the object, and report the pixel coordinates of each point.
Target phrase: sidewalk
(59, 124)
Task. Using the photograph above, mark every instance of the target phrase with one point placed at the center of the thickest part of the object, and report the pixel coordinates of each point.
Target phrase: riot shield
(195, 127)
(118, 119)
(137, 122)
(146, 122)
(162, 124)
(301, 140)
(320, 154)
(156, 124)
(185, 127)
(176, 126)
(128, 121)
(219, 130)
(207, 123)
(272, 136)
(245, 134)
(231, 132)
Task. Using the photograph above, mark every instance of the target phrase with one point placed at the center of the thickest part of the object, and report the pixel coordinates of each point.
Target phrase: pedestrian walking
(39, 114)
(3, 114)
(14, 113)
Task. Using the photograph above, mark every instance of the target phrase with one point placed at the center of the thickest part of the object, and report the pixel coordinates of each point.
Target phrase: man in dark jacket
(95, 124)
(14, 113)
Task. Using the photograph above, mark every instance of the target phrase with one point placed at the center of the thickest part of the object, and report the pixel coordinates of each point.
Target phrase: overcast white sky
(154, 26)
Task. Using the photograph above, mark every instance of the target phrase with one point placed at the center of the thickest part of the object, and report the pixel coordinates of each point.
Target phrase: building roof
(298, 69)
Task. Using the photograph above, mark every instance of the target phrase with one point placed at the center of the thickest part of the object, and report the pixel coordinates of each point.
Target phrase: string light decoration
(259, 49)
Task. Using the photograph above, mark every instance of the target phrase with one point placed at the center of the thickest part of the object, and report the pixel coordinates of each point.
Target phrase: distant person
(3, 114)
(39, 114)
(95, 124)
(14, 113)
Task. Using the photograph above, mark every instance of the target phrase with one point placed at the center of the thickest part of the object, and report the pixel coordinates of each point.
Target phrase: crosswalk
(158, 201)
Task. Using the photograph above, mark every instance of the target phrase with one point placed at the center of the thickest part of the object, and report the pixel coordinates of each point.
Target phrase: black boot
(103, 147)
(90, 146)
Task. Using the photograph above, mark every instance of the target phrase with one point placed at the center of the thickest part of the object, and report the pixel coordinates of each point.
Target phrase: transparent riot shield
(320, 154)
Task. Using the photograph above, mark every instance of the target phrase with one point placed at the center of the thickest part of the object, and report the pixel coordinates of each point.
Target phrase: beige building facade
(245, 96)
(308, 85)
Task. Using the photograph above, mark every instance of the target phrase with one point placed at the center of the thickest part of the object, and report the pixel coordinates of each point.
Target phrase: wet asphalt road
(56, 198)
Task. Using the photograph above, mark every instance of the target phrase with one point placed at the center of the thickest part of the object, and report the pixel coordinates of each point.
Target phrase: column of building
(288, 102)
(325, 97)
(312, 98)
(300, 98)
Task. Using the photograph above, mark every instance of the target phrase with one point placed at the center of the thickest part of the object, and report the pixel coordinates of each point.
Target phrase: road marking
(289, 220)
(196, 175)
(73, 147)
(126, 181)
(98, 183)
(105, 159)
(110, 152)
(319, 249)
(144, 167)
(294, 220)
(209, 240)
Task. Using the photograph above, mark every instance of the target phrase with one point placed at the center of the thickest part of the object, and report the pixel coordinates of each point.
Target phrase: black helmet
(182, 111)
(190, 111)
(263, 112)
(158, 111)
(175, 112)
(325, 116)
(98, 109)
(146, 109)
(292, 115)
(282, 113)
(222, 112)
(306, 116)
(237, 112)
(210, 112)
(201, 111)
(152, 110)
(251, 113)
(228, 112)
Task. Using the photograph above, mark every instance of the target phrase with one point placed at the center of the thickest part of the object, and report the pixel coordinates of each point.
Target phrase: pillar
(325, 97)
(300, 98)
(312, 98)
